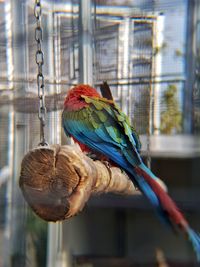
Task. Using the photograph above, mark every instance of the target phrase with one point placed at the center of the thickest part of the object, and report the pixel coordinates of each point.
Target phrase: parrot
(100, 126)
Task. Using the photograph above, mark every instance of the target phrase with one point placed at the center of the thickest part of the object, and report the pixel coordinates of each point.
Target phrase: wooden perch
(57, 181)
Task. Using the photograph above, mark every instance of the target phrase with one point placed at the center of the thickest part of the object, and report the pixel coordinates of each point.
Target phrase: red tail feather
(83, 147)
(168, 205)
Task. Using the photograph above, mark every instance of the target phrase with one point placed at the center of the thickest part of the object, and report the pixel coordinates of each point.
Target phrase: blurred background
(149, 53)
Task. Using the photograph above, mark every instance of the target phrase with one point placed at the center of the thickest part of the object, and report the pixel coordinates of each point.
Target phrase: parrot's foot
(92, 155)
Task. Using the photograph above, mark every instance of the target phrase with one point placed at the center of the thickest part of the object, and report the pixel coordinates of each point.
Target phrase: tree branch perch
(57, 181)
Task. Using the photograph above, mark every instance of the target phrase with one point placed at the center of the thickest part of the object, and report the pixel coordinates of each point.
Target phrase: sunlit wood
(57, 181)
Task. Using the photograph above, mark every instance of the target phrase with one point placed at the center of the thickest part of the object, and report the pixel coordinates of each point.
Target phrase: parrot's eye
(80, 98)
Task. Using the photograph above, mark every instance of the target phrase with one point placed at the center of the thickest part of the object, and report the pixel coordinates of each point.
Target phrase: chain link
(39, 58)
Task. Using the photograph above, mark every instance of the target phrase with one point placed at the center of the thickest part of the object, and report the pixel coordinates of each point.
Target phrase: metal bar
(85, 43)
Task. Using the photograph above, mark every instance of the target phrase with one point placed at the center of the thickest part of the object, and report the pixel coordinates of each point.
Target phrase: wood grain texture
(57, 181)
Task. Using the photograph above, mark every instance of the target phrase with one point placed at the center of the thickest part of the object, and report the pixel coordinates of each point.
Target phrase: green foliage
(171, 118)
(178, 53)
(159, 49)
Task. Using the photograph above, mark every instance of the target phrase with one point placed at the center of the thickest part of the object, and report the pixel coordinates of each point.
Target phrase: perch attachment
(57, 181)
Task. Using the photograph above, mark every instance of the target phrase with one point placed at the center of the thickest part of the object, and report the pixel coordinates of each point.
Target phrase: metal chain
(39, 58)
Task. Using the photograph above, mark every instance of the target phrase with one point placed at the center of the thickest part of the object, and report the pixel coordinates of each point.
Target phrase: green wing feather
(112, 109)
(103, 121)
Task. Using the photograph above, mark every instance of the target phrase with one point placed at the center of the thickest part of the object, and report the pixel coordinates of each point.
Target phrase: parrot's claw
(92, 156)
(107, 164)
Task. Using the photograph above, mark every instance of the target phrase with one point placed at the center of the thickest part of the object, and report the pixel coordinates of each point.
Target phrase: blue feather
(148, 171)
(195, 240)
(93, 140)
(114, 138)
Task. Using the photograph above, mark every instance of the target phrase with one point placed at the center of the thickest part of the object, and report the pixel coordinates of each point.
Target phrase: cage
(148, 52)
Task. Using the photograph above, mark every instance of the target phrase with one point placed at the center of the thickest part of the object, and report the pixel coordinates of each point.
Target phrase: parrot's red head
(74, 101)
